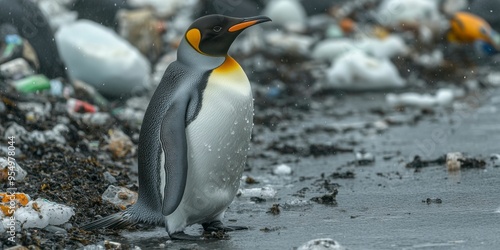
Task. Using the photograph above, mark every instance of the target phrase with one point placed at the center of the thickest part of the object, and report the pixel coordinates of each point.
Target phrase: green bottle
(32, 84)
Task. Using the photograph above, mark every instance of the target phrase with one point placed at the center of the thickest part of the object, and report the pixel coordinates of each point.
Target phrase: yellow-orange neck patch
(193, 37)
(228, 66)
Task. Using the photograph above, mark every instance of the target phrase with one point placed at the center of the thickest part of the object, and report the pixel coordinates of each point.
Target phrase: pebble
(321, 244)
(109, 178)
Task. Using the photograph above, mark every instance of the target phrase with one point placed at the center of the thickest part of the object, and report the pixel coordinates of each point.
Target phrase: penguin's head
(212, 35)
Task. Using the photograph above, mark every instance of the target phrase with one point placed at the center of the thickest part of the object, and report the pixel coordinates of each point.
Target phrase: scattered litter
(98, 56)
(282, 170)
(364, 158)
(274, 210)
(264, 192)
(432, 201)
(38, 213)
(109, 177)
(32, 84)
(443, 97)
(321, 244)
(120, 196)
(453, 161)
(327, 199)
(355, 70)
(287, 13)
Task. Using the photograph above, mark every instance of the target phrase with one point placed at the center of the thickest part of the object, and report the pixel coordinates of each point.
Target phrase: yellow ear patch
(241, 26)
(193, 36)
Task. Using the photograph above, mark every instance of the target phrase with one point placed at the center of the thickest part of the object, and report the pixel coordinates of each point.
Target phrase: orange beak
(247, 22)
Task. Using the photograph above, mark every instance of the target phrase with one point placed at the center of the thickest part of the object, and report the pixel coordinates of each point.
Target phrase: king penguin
(195, 134)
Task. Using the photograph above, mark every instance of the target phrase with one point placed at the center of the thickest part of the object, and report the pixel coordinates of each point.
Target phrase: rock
(98, 56)
(443, 97)
(453, 162)
(120, 196)
(5, 163)
(355, 70)
(56, 230)
(109, 178)
(282, 170)
(15, 130)
(430, 60)
(321, 244)
(120, 144)
(450, 7)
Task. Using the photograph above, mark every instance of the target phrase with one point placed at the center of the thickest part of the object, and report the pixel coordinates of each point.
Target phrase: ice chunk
(31, 218)
(282, 170)
(264, 192)
(120, 196)
(321, 244)
(57, 214)
(443, 97)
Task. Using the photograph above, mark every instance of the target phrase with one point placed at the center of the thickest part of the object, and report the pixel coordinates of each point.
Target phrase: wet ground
(379, 205)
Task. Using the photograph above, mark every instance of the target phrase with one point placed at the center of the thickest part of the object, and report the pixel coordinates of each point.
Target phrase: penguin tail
(114, 221)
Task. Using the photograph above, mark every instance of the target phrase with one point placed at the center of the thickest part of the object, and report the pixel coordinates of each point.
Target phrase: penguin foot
(217, 225)
(184, 236)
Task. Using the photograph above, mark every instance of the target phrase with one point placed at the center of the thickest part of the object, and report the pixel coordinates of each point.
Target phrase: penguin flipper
(114, 221)
(174, 146)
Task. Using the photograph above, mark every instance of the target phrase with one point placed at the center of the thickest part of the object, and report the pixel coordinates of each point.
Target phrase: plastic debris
(142, 30)
(32, 84)
(120, 196)
(408, 12)
(6, 169)
(364, 158)
(264, 192)
(357, 71)
(443, 97)
(282, 170)
(78, 106)
(163, 8)
(16, 69)
(102, 59)
(321, 244)
(453, 161)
